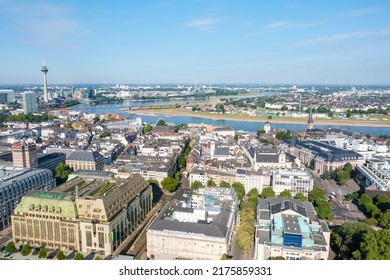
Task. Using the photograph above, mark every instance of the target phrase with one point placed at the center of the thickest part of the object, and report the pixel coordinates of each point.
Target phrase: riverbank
(243, 117)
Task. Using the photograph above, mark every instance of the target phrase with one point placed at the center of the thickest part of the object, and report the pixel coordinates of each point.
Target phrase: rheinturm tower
(44, 71)
(310, 122)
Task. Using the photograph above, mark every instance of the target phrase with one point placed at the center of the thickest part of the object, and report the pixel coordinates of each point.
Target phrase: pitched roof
(83, 155)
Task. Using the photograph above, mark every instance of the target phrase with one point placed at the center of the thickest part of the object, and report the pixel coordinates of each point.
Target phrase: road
(342, 210)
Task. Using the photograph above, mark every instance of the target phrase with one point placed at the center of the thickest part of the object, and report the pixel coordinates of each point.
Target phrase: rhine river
(112, 108)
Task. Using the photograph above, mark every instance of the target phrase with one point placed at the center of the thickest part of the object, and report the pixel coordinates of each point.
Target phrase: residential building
(293, 180)
(291, 229)
(87, 160)
(195, 225)
(84, 214)
(29, 102)
(16, 182)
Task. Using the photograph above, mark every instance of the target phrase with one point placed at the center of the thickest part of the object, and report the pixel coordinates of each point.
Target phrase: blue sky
(264, 42)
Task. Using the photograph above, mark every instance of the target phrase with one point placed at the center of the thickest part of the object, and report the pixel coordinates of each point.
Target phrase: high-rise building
(29, 102)
(6, 96)
(310, 121)
(24, 155)
(45, 94)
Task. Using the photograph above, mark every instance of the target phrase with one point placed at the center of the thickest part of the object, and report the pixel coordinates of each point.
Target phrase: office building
(29, 102)
(87, 160)
(16, 182)
(290, 228)
(24, 154)
(322, 156)
(6, 96)
(195, 225)
(293, 180)
(86, 213)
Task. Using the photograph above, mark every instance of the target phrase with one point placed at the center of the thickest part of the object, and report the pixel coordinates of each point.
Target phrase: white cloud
(278, 25)
(343, 37)
(204, 24)
(283, 25)
(360, 12)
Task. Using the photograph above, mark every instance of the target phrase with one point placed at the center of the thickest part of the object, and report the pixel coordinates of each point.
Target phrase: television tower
(44, 71)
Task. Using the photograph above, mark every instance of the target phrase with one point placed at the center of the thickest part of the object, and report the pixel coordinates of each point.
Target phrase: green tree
(147, 129)
(42, 254)
(224, 184)
(364, 199)
(62, 172)
(285, 194)
(105, 134)
(376, 245)
(224, 258)
(96, 119)
(260, 132)
(348, 168)
(211, 183)
(348, 114)
(196, 185)
(317, 194)
(161, 122)
(253, 192)
(60, 255)
(324, 209)
(98, 258)
(330, 114)
(267, 193)
(301, 197)
(244, 240)
(78, 256)
(10, 247)
(240, 190)
(384, 220)
(283, 135)
(169, 184)
(278, 258)
(182, 161)
(236, 136)
(26, 250)
(177, 175)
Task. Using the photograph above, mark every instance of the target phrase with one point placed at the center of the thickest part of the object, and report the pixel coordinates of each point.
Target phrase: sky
(208, 41)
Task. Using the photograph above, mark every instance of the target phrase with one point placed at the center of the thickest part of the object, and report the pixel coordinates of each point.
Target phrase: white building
(29, 102)
(294, 180)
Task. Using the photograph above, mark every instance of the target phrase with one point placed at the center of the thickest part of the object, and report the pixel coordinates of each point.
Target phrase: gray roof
(288, 205)
(83, 155)
(290, 224)
(267, 158)
(221, 151)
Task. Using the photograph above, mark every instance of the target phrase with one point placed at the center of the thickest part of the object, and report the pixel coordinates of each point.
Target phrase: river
(237, 125)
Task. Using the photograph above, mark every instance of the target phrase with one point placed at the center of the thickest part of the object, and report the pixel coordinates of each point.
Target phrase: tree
(384, 220)
(60, 255)
(317, 194)
(224, 258)
(342, 176)
(253, 192)
(283, 135)
(169, 184)
(177, 175)
(96, 119)
(284, 108)
(364, 199)
(62, 172)
(324, 209)
(330, 114)
(278, 258)
(26, 250)
(260, 131)
(348, 114)
(267, 193)
(285, 194)
(376, 245)
(10, 247)
(78, 256)
(240, 190)
(348, 168)
(42, 254)
(224, 184)
(161, 122)
(105, 134)
(196, 185)
(219, 108)
(211, 183)
(182, 161)
(98, 258)
(236, 136)
(147, 129)
(301, 197)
